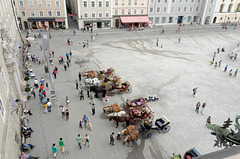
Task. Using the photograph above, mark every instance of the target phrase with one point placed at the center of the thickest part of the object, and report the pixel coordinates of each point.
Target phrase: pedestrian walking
(70, 55)
(93, 109)
(55, 73)
(65, 66)
(79, 139)
(179, 40)
(112, 139)
(49, 105)
(79, 76)
(106, 99)
(50, 36)
(36, 83)
(157, 43)
(216, 64)
(54, 150)
(52, 53)
(44, 93)
(92, 97)
(235, 73)
(219, 63)
(45, 108)
(34, 93)
(67, 55)
(230, 72)
(203, 106)
(42, 81)
(67, 114)
(85, 119)
(60, 60)
(225, 69)
(209, 120)
(80, 124)
(76, 84)
(63, 111)
(61, 144)
(197, 107)
(194, 91)
(81, 95)
(67, 101)
(86, 139)
(88, 91)
(47, 85)
(68, 63)
(41, 47)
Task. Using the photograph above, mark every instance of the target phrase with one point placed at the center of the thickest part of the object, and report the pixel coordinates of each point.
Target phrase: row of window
(129, 11)
(179, 1)
(229, 7)
(179, 9)
(172, 19)
(93, 4)
(39, 3)
(93, 15)
(129, 2)
(40, 13)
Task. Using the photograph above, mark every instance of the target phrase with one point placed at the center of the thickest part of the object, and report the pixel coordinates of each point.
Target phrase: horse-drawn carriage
(160, 125)
(121, 87)
(108, 72)
(135, 103)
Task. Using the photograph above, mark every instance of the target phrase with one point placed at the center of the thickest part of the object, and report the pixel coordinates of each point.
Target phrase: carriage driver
(143, 112)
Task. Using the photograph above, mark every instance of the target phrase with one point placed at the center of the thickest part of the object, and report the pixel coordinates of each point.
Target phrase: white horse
(93, 82)
(120, 114)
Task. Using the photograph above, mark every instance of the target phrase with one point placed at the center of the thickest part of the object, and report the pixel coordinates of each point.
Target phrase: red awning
(59, 20)
(72, 14)
(135, 19)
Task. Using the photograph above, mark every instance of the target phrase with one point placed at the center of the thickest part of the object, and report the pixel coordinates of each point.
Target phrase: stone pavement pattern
(170, 73)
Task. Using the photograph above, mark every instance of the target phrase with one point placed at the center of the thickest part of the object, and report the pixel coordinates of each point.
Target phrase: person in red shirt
(41, 87)
(55, 73)
(44, 93)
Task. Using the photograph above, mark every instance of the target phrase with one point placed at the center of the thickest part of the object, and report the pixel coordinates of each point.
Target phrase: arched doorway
(214, 19)
(207, 20)
(25, 25)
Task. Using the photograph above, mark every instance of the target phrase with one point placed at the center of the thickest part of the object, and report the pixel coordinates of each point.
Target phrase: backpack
(111, 137)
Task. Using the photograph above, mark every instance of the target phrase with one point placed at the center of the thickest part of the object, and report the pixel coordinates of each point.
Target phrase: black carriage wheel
(140, 129)
(151, 117)
(129, 90)
(166, 128)
(148, 135)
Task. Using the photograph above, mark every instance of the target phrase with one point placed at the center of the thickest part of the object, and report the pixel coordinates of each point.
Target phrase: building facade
(130, 13)
(92, 13)
(42, 14)
(181, 11)
(227, 11)
(10, 81)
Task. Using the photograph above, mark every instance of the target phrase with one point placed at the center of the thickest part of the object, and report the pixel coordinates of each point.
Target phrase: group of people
(218, 64)
(198, 105)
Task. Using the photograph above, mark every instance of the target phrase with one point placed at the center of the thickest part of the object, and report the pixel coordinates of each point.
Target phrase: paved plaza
(170, 73)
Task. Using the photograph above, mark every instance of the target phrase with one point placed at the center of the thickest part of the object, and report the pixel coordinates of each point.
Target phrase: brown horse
(128, 130)
(133, 136)
(113, 108)
(120, 119)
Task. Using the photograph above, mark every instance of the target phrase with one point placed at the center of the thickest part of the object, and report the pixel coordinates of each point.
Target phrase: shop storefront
(134, 21)
(97, 24)
(41, 23)
(60, 23)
